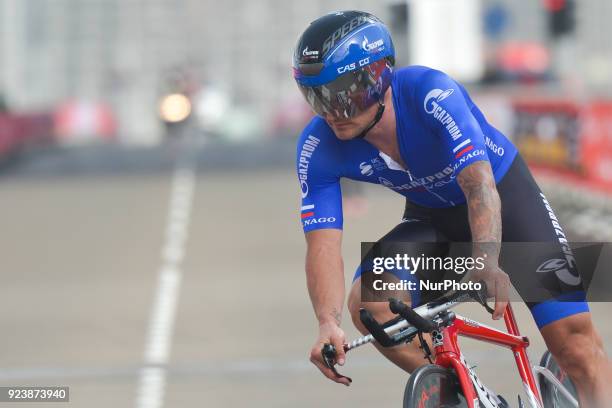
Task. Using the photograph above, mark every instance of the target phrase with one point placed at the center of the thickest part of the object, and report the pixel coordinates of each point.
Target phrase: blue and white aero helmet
(343, 63)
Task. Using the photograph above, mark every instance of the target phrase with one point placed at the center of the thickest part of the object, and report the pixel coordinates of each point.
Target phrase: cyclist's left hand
(498, 286)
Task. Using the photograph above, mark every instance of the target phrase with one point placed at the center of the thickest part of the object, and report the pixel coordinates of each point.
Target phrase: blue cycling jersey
(439, 130)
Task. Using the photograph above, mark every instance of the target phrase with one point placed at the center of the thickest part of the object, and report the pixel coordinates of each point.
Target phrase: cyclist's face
(349, 128)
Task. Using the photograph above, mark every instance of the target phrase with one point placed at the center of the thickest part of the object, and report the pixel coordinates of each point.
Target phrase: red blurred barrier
(12, 135)
(17, 131)
(563, 137)
(596, 143)
(546, 133)
(83, 121)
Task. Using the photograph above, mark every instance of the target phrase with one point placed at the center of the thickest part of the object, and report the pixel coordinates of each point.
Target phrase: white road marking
(152, 377)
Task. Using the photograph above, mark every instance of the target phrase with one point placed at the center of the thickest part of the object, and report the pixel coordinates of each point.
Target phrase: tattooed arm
(484, 211)
(484, 208)
(325, 280)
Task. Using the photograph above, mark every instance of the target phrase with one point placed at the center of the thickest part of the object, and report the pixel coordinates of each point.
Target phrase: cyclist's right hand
(332, 334)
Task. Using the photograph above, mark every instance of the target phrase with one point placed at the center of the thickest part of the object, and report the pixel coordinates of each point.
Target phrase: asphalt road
(82, 254)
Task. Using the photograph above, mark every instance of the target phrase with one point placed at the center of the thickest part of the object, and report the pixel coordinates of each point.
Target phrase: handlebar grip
(376, 330)
(329, 355)
(328, 352)
(412, 317)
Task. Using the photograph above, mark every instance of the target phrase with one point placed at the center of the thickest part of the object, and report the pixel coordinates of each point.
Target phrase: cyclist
(416, 131)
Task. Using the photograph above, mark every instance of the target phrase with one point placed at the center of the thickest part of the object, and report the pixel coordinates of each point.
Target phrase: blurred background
(152, 253)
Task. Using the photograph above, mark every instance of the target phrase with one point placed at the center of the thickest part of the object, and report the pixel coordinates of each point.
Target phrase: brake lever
(328, 352)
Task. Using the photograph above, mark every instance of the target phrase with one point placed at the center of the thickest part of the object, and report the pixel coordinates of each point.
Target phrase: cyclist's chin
(346, 131)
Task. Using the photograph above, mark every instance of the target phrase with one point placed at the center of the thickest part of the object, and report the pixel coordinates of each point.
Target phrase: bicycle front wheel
(432, 386)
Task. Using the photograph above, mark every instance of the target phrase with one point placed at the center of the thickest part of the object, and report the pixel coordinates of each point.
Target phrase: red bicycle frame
(448, 353)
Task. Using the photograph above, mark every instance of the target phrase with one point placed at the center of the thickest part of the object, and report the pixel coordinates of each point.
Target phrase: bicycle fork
(475, 392)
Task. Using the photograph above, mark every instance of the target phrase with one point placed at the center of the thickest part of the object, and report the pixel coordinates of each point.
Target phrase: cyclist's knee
(354, 305)
(578, 348)
(380, 310)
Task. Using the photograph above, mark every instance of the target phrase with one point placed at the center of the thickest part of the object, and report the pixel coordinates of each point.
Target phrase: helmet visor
(348, 95)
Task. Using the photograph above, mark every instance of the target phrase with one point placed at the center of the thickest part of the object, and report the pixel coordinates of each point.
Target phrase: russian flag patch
(307, 211)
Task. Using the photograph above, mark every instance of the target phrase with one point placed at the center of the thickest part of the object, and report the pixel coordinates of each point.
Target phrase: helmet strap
(379, 113)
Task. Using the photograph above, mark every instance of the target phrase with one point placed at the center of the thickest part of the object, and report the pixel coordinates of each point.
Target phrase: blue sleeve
(317, 167)
(442, 104)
